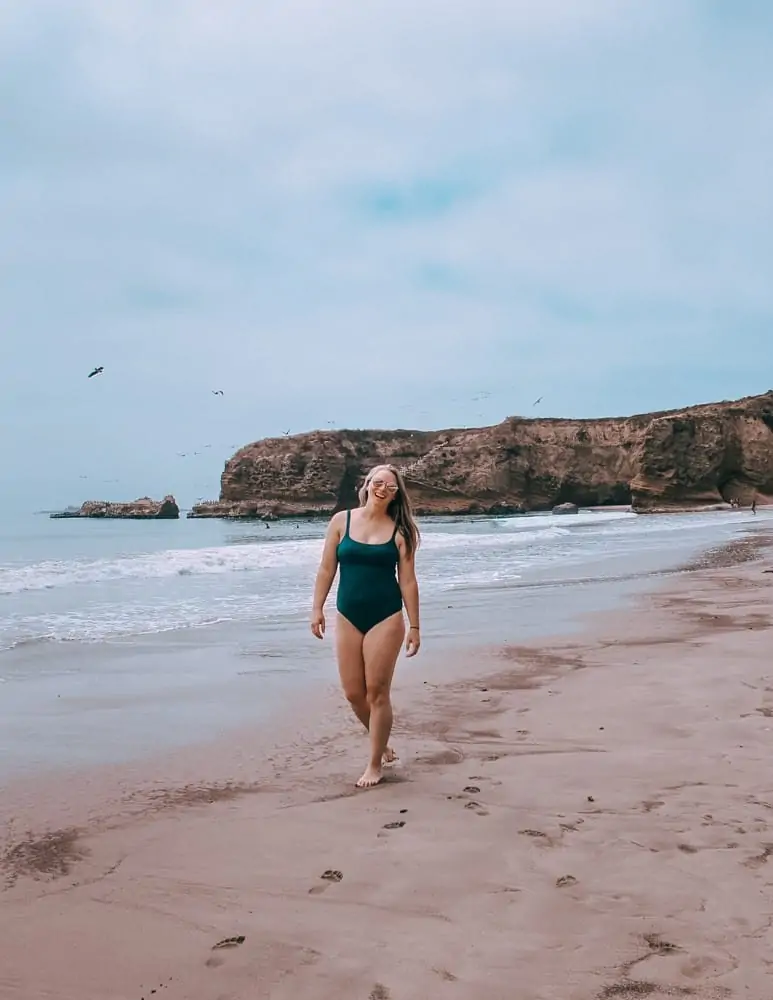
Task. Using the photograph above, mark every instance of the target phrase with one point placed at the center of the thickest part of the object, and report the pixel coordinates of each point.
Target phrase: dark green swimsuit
(368, 591)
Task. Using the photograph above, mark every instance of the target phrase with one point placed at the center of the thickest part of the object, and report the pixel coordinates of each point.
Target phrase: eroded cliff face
(698, 456)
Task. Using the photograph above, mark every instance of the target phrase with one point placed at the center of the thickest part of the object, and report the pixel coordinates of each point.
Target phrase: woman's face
(382, 487)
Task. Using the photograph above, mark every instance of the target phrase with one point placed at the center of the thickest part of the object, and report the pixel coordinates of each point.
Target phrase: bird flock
(478, 397)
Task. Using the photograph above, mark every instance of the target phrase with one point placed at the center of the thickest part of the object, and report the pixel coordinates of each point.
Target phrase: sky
(368, 213)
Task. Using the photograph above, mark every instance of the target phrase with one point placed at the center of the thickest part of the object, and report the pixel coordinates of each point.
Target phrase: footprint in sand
(658, 946)
(571, 827)
(330, 876)
(476, 807)
(566, 880)
(379, 992)
(160, 986)
(759, 859)
(472, 789)
(396, 824)
(482, 777)
(230, 942)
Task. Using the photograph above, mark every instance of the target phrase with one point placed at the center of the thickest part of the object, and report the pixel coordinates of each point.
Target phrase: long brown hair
(399, 509)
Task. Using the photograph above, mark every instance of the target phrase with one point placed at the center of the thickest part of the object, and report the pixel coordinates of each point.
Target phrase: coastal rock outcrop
(566, 508)
(142, 509)
(698, 456)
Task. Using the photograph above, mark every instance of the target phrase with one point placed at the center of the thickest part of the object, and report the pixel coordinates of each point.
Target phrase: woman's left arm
(409, 588)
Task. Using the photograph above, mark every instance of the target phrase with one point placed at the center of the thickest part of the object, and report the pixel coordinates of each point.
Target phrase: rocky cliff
(141, 509)
(698, 456)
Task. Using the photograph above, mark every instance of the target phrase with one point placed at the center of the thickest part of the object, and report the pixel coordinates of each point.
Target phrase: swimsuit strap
(348, 521)
(394, 533)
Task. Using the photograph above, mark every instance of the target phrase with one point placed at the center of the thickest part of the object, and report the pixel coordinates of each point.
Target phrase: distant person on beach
(754, 505)
(375, 546)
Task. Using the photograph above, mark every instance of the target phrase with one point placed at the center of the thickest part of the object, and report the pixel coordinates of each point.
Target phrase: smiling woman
(375, 547)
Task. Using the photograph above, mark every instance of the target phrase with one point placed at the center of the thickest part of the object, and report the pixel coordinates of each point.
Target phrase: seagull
(97, 371)
(537, 401)
(287, 432)
(217, 392)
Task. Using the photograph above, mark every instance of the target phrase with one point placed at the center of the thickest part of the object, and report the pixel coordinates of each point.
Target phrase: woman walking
(375, 546)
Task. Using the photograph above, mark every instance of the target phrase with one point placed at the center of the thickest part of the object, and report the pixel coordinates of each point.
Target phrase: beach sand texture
(576, 819)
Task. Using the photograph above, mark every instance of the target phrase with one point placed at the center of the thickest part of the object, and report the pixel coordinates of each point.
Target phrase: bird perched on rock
(97, 371)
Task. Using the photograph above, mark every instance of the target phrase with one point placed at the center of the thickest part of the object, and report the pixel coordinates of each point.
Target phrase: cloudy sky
(368, 213)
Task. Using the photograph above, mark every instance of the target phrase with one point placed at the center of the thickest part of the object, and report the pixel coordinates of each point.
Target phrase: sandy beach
(587, 817)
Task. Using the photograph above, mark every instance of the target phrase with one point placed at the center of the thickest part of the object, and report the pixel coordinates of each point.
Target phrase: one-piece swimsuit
(368, 591)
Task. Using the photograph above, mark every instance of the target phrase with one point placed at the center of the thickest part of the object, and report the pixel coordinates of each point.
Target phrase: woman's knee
(378, 696)
(355, 696)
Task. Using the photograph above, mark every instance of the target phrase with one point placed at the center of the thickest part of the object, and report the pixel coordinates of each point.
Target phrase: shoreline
(126, 702)
(572, 798)
(473, 509)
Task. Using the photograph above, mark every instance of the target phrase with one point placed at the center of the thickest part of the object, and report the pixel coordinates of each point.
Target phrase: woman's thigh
(380, 647)
(349, 653)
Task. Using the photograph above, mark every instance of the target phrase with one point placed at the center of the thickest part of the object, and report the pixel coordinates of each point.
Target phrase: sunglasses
(379, 484)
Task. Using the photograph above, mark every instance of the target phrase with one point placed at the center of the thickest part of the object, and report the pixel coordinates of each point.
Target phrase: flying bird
(97, 371)
(537, 401)
(217, 392)
(287, 433)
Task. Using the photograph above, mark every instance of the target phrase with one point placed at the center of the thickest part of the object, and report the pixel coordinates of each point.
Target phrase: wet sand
(587, 817)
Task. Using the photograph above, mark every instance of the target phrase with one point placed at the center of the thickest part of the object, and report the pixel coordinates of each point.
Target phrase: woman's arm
(409, 588)
(328, 567)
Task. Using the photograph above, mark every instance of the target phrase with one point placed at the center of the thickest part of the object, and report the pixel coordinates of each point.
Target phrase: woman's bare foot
(371, 777)
(389, 756)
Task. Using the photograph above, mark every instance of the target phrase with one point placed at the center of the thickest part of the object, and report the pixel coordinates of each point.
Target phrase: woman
(370, 544)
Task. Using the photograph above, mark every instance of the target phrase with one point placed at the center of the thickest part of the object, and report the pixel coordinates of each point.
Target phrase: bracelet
(414, 628)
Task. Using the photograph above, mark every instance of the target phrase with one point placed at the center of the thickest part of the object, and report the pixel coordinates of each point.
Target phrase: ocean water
(65, 580)
(120, 636)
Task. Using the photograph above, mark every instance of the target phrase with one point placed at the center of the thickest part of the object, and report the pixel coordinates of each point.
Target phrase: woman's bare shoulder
(336, 522)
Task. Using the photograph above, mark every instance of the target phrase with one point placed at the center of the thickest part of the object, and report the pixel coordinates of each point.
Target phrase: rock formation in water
(690, 458)
(142, 509)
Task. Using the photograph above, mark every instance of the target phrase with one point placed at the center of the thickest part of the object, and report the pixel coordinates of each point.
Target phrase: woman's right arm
(326, 573)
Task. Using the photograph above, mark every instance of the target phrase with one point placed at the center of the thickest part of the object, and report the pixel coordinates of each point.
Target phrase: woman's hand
(412, 642)
(318, 624)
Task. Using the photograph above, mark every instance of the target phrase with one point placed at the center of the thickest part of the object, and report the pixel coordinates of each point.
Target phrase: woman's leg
(380, 648)
(351, 667)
